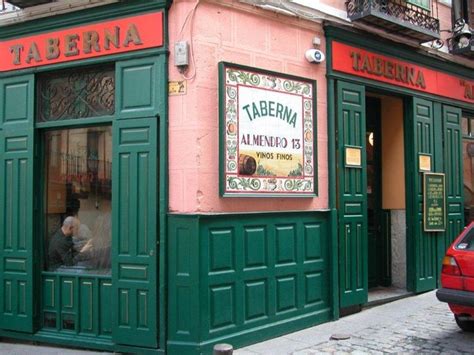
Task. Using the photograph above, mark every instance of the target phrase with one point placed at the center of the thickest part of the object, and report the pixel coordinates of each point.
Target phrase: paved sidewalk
(417, 324)
(27, 349)
(413, 325)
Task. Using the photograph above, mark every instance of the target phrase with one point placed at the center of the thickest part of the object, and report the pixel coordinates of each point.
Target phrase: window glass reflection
(78, 200)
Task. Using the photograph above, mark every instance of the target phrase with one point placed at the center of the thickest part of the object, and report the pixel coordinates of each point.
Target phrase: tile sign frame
(267, 130)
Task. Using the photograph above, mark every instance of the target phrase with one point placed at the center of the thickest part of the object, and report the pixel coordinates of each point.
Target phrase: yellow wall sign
(424, 162)
(353, 157)
(177, 87)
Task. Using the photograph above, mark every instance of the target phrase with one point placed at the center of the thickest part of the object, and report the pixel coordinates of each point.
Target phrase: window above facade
(411, 19)
(76, 93)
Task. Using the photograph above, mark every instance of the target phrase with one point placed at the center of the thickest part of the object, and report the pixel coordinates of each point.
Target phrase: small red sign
(359, 62)
(82, 42)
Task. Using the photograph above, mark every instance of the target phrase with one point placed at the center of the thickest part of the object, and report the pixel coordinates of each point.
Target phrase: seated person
(61, 248)
(61, 251)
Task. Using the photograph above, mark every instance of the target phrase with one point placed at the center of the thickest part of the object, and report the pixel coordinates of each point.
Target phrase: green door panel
(16, 204)
(134, 246)
(352, 196)
(138, 87)
(422, 252)
(77, 304)
(453, 168)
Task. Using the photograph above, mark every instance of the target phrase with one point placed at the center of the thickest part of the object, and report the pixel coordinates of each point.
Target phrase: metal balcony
(395, 16)
(28, 3)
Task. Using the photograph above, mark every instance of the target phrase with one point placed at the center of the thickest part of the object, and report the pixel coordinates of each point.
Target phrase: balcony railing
(395, 16)
(28, 3)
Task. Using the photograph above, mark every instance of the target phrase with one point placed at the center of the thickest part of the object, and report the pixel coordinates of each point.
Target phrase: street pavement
(413, 325)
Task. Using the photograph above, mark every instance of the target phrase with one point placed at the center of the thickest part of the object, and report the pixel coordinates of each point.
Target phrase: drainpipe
(456, 10)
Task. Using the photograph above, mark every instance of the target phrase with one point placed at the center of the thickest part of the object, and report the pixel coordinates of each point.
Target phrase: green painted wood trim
(82, 122)
(439, 167)
(409, 192)
(213, 257)
(77, 342)
(423, 135)
(163, 196)
(375, 44)
(352, 196)
(76, 18)
(454, 170)
(17, 204)
(162, 61)
(333, 227)
(183, 280)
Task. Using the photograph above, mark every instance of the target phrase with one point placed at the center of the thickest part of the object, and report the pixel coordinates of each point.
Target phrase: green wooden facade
(432, 127)
(181, 283)
(124, 311)
(243, 278)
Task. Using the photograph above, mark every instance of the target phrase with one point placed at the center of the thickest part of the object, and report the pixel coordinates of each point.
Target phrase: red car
(457, 279)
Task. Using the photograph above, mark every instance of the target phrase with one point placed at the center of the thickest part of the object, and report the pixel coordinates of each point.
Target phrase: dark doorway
(378, 220)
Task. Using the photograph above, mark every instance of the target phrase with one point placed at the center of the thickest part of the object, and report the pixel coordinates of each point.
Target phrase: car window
(467, 243)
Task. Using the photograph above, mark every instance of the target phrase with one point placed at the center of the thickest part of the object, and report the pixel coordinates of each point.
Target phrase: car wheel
(466, 325)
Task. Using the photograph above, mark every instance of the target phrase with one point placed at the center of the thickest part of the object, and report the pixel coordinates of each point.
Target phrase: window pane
(78, 199)
(467, 243)
(421, 3)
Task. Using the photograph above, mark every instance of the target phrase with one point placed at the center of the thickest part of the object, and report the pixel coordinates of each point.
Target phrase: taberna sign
(370, 65)
(267, 133)
(82, 42)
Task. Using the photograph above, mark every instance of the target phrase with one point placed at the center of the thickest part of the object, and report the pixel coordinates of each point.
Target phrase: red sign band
(82, 42)
(362, 63)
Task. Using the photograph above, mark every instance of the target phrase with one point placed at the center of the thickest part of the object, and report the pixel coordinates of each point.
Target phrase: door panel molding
(16, 204)
(352, 196)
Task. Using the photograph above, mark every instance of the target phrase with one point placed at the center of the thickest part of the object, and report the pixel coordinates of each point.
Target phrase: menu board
(434, 202)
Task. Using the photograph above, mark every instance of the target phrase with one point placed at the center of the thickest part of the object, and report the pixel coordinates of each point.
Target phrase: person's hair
(69, 221)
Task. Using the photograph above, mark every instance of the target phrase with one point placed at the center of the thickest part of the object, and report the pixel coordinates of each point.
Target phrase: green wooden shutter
(135, 208)
(453, 169)
(352, 196)
(421, 140)
(16, 203)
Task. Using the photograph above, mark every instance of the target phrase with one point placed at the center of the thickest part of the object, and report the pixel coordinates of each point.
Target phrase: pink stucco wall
(237, 33)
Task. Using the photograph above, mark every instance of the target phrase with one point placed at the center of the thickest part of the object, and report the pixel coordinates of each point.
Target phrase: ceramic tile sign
(267, 130)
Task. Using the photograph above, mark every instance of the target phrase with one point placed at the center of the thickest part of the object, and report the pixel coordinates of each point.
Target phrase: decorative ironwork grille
(397, 9)
(76, 93)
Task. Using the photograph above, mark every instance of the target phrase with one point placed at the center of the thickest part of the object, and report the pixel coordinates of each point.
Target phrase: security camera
(314, 56)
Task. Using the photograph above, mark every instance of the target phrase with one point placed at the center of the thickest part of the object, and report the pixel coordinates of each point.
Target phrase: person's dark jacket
(61, 251)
